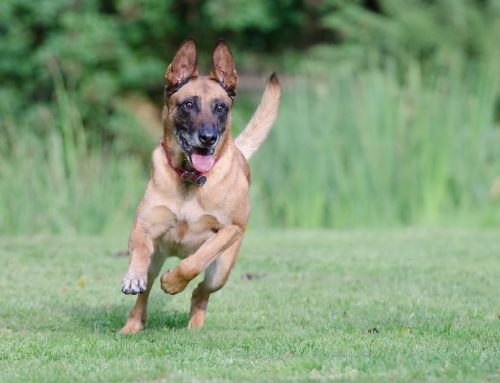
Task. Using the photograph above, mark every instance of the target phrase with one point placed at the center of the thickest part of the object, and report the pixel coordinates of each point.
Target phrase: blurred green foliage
(423, 30)
(107, 49)
(366, 148)
(396, 102)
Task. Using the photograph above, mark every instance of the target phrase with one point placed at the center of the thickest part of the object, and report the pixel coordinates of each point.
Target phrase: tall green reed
(366, 148)
(64, 181)
(351, 147)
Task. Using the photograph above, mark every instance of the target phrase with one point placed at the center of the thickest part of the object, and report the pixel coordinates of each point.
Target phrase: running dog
(196, 203)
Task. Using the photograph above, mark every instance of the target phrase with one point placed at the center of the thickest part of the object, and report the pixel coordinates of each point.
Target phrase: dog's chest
(192, 226)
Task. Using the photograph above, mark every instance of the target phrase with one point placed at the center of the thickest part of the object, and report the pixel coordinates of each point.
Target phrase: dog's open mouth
(202, 159)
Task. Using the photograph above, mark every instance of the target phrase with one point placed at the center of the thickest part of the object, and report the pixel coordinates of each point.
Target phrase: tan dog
(196, 202)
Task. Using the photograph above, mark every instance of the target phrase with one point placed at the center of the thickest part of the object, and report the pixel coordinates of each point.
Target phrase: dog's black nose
(207, 136)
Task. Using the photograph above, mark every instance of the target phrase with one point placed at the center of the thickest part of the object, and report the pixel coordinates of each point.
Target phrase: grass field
(386, 306)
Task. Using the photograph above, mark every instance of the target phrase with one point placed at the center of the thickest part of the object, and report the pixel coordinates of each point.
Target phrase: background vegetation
(389, 116)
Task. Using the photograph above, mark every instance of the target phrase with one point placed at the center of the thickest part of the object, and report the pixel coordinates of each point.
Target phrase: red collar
(193, 175)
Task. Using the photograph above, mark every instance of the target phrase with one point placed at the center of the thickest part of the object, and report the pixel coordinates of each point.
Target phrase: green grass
(431, 294)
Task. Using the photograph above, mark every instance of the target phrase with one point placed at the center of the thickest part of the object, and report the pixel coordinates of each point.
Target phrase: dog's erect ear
(184, 64)
(223, 69)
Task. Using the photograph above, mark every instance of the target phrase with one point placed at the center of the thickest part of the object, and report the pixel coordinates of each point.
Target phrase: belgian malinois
(196, 202)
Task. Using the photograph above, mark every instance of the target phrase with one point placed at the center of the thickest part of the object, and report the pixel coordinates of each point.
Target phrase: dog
(196, 203)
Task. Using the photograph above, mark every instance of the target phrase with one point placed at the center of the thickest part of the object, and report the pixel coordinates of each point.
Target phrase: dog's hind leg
(137, 317)
(216, 276)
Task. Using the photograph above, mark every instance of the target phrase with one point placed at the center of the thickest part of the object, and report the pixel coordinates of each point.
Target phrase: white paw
(134, 283)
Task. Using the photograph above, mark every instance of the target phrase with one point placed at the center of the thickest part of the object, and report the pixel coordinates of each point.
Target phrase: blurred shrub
(457, 31)
(89, 48)
(106, 50)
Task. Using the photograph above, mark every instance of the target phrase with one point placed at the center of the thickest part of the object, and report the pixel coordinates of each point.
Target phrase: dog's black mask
(199, 124)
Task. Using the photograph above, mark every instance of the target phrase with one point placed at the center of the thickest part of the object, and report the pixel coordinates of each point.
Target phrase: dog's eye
(188, 105)
(220, 108)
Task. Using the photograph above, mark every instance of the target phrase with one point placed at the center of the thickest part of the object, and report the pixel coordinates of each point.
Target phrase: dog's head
(197, 116)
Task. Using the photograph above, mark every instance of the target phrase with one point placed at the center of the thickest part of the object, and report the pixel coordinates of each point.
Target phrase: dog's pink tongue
(202, 163)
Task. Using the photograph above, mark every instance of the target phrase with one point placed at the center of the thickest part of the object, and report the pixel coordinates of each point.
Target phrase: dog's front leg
(174, 281)
(145, 262)
(150, 223)
(141, 248)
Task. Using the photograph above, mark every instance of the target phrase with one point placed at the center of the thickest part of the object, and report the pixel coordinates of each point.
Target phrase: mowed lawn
(363, 306)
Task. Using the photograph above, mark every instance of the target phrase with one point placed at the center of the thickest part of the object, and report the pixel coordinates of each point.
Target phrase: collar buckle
(194, 177)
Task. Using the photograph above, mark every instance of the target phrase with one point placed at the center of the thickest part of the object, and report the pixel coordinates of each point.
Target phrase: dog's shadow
(111, 318)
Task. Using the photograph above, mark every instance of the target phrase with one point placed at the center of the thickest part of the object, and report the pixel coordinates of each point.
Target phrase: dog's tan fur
(204, 226)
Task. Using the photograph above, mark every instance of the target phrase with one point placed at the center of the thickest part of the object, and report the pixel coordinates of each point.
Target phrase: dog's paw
(132, 327)
(134, 283)
(196, 322)
(173, 282)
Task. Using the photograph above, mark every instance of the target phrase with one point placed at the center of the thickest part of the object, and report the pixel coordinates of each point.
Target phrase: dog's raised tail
(257, 129)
